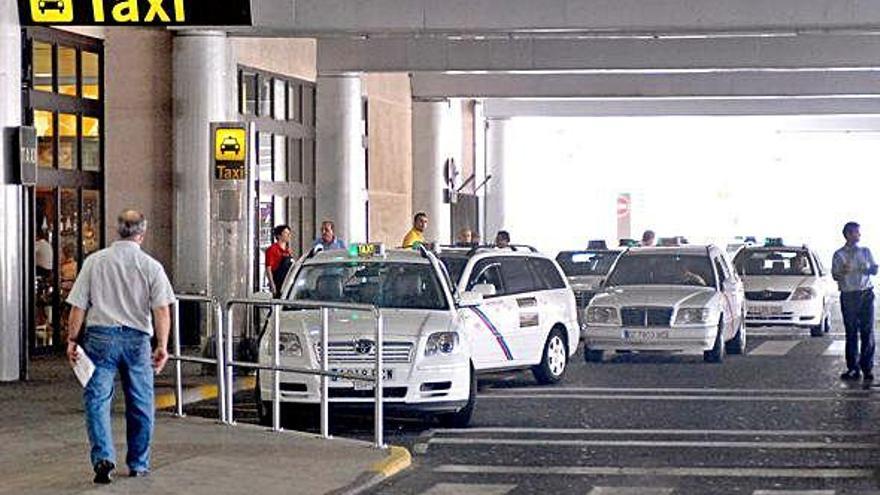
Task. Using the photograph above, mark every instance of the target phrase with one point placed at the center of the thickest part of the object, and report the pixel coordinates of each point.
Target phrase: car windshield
(455, 266)
(384, 284)
(586, 263)
(792, 262)
(662, 269)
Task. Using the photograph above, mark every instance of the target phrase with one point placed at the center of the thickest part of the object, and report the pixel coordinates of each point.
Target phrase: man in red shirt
(278, 258)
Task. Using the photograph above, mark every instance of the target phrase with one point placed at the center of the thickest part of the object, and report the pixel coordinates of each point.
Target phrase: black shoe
(102, 472)
(868, 376)
(138, 474)
(850, 375)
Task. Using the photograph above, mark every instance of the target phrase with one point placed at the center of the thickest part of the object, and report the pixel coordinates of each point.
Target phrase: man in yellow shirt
(417, 232)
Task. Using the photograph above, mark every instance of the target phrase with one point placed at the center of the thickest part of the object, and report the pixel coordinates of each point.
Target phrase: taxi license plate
(769, 310)
(645, 335)
(387, 374)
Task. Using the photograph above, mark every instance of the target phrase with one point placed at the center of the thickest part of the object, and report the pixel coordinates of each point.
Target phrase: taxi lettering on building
(135, 12)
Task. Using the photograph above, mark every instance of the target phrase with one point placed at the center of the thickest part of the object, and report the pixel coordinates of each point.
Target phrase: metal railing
(276, 305)
(178, 358)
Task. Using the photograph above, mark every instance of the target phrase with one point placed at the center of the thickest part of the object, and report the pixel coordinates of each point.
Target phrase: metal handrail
(217, 321)
(324, 372)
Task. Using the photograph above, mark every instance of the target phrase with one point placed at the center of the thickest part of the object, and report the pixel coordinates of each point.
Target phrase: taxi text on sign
(229, 151)
(135, 12)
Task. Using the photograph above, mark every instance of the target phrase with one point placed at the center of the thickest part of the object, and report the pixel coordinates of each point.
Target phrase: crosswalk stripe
(705, 472)
(837, 348)
(774, 348)
(629, 490)
(468, 489)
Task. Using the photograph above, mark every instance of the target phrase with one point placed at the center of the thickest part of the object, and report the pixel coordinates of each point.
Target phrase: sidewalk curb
(202, 392)
(397, 460)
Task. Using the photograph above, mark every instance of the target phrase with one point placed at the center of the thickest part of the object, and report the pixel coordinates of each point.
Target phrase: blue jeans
(127, 351)
(858, 319)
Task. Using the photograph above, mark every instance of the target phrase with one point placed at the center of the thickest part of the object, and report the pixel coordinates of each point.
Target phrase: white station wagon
(668, 299)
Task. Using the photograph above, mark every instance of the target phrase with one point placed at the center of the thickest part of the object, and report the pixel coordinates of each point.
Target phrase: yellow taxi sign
(230, 144)
(366, 250)
(52, 11)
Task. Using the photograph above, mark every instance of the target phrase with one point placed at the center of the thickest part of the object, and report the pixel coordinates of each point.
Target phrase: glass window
(765, 262)
(42, 66)
(248, 93)
(487, 271)
(662, 269)
(279, 99)
(294, 102)
(264, 156)
(280, 160)
(308, 106)
(296, 216)
(455, 266)
(67, 140)
(44, 124)
(67, 71)
(91, 144)
(586, 263)
(69, 219)
(91, 80)
(517, 277)
(91, 223)
(547, 273)
(44, 264)
(267, 222)
(296, 158)
(308, 161)
(265, 96)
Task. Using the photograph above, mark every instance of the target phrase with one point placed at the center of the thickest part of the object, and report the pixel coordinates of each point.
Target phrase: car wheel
(593, 355)
(716, 354)
(554, 361)
(264, 407)
(462, 418)
(820, 329)
(737, 345)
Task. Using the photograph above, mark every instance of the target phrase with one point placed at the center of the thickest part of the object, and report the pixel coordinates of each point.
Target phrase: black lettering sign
(135, 12)
(230, 171)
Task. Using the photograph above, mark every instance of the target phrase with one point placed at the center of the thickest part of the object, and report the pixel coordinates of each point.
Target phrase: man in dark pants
(852, 268)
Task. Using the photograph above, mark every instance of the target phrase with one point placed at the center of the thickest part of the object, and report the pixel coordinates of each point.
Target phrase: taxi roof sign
(366, 250)
(773, 242)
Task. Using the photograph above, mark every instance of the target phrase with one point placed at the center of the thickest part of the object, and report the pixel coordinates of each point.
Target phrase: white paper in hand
(84, 367)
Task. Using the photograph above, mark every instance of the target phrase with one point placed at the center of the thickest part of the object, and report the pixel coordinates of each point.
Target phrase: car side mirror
(470, 299)
(485, 290)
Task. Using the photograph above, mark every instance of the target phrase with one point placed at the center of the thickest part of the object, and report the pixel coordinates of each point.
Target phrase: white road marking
(692, 390)
(600, 431)
(774, 348)
(655, 444)
(793, 492)
(837, 348)
(722, 472)
(708, 398)
(468, 489)
(629, 490)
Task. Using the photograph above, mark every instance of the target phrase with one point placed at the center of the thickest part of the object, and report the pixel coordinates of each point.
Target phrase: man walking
(127, 295)
(852, 267)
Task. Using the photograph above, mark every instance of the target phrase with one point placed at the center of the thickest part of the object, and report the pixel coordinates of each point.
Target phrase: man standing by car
(852, 268)
(328, 239)
(127, 296)
(416, 234)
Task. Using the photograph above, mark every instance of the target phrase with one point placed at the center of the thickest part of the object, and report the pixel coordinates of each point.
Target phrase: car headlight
(288, 344)
(441, 343)
(690, 316)
(803, 294)
(603, 315)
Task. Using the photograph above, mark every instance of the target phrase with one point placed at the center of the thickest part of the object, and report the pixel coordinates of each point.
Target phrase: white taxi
(428, 361)
(785, 286)
(684, 298)
(586, 270)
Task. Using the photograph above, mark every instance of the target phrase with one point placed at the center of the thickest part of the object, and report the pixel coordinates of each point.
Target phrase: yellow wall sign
(229, 145)
(135, 12)
(60, 11)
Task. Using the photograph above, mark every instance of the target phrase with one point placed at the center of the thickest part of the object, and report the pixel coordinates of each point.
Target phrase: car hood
(754, 283)
(585, 282)
(654, 295)
(398, 324)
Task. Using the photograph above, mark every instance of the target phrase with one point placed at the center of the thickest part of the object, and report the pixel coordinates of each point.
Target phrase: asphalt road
(777, 420)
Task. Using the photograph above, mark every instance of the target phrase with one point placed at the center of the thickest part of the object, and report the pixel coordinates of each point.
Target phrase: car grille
(767, 295)
(646, 317)
(349, 393)
(392, 352)
(583, 298)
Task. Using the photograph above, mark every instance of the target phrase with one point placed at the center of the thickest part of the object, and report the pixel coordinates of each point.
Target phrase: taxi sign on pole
(229, 151)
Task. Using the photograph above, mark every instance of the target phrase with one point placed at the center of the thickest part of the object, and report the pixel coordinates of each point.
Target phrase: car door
(826, 284)
(524, 293)
(556, 303)
(493, 321)
(732, 293)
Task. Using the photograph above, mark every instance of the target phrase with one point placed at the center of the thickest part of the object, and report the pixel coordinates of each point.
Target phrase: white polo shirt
(120, 286)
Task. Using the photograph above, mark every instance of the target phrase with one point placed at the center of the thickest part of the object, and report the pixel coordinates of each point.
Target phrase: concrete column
(201, 92)
(497, 194)
(436, 139)
(11, 214)
(340, 178)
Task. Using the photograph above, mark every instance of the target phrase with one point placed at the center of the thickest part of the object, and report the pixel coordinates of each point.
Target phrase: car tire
(264, 407)
(462, 418)
(716, 354)
(826, 326)
(737, 345)
(820, 329)
(593, 355)
(554, 360)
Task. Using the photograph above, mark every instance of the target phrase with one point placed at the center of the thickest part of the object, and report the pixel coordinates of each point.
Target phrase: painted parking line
(539, 442)
(468, 489)
(684, 398)
(837, 348)
(683, 390)
(793, 492)
(630, 490)
(774, 348)
(703, 472)
(652, 432)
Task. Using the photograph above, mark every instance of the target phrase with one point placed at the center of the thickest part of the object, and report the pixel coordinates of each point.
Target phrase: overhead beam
(341, 17)
(642, 107)
(431, 85)
(543, 54)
